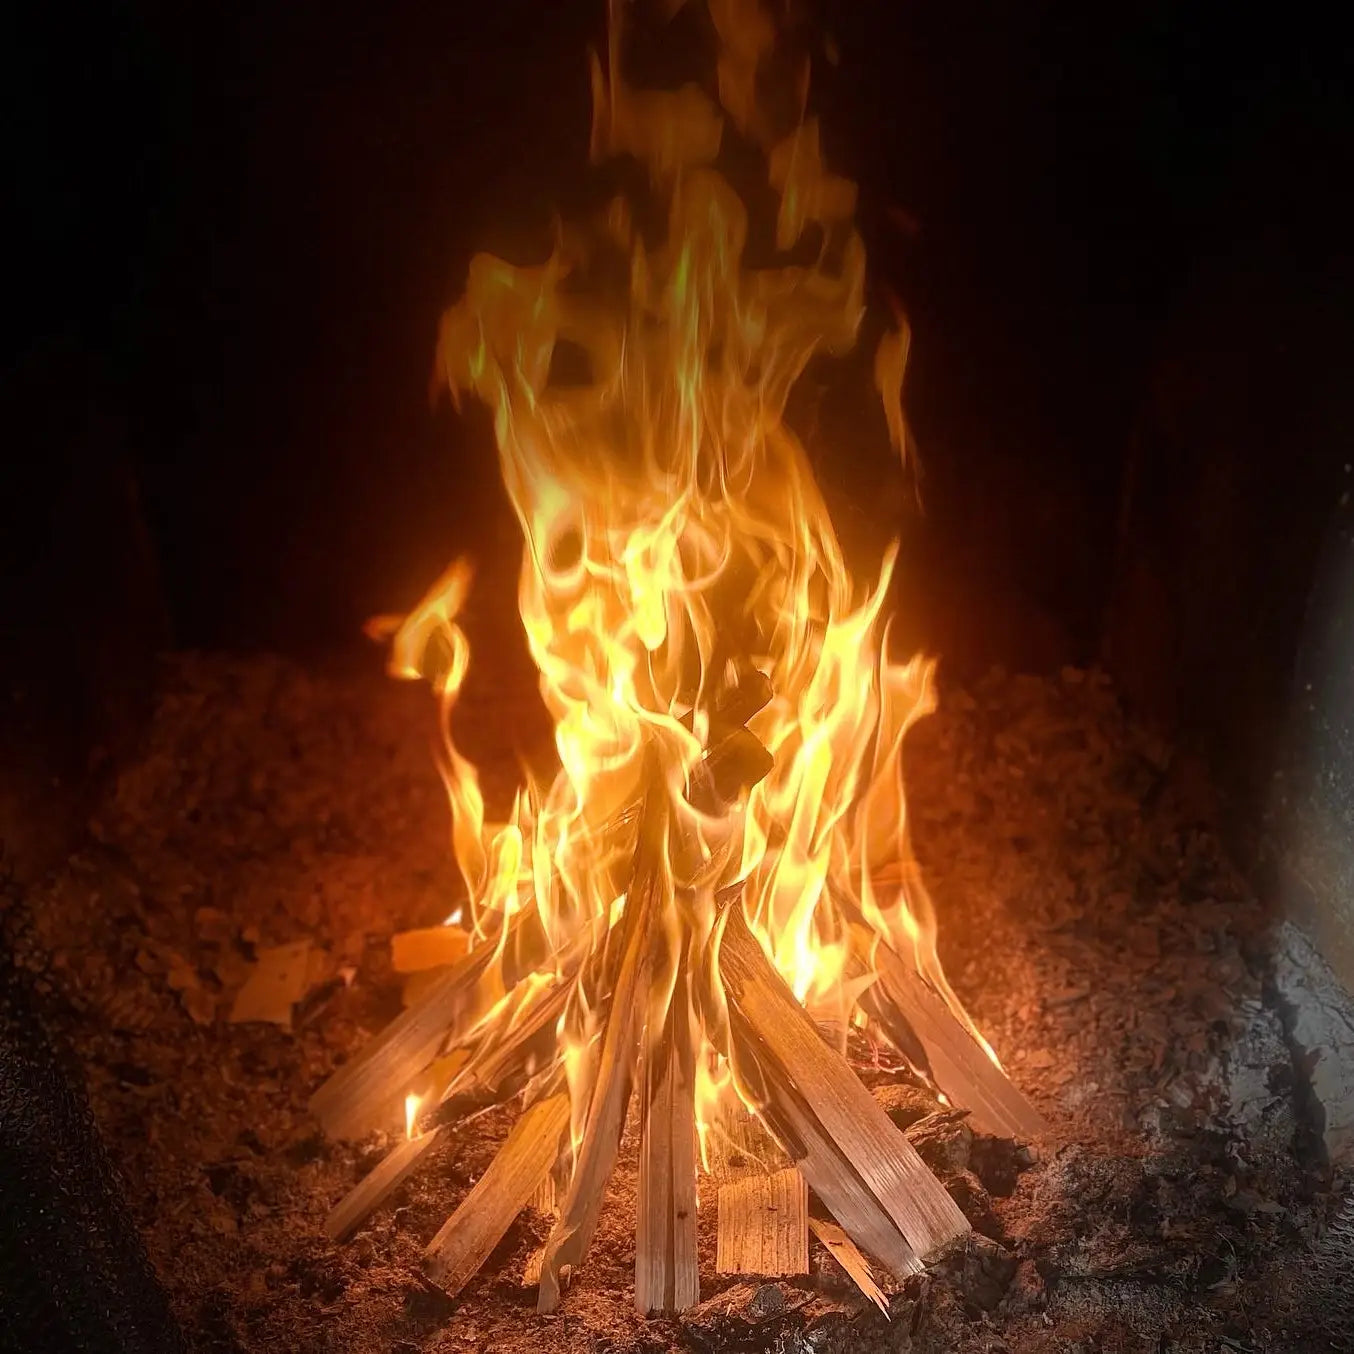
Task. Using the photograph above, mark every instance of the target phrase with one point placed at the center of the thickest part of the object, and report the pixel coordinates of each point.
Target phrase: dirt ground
(1088, 917)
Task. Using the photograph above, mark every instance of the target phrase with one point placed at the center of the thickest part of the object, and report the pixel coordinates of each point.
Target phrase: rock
(1319, 1016)
(766, 1302)
(1255, 1071)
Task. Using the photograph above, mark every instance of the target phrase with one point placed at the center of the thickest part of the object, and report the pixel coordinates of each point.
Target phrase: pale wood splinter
(847, 1254)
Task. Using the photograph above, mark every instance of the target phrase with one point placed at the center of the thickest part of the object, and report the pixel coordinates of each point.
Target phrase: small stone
(746, 1315)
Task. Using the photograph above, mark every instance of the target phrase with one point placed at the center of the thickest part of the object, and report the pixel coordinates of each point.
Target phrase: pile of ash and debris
(1137, 990)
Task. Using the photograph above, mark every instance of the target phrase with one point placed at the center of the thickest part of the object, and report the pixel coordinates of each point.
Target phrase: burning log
(632, 951)
(522, 1164)
(855, 1159)
(362, 1094)
(667, 1278)
(508, 1056)
(911, 1011)
(764, 1225)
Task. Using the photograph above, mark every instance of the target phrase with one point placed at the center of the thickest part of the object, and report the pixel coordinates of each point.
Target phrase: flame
(675, 541)
(411, 1108)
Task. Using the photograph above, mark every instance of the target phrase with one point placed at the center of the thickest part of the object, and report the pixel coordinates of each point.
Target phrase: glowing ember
(727, 717)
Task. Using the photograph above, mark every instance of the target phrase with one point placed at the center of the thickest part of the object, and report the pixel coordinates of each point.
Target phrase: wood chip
(427, 948)
(278, 981)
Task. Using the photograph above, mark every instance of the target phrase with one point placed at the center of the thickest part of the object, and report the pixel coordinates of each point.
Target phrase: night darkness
(237, 226)
(1124, 251)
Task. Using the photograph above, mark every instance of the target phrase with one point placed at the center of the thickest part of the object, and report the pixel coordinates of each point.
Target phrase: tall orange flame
(674, 539)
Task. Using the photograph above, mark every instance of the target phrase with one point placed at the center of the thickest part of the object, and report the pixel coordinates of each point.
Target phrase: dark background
(236, 226)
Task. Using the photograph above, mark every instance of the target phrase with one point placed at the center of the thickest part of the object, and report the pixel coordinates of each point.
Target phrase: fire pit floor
(1088, 919)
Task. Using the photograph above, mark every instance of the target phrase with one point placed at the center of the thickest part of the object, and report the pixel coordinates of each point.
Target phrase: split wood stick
(630, 964)
(372, 1190)
(764, 1225)
(739, 1145)
(508, 1056)
(365, 1093)
(830, 1173)
(904, 1003)
(546, 1198)
(849, 1150)
(501, 1193)
(667, 1276)
(847, 1254)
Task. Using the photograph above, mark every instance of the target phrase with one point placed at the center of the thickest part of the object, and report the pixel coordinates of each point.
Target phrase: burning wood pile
(716, 887)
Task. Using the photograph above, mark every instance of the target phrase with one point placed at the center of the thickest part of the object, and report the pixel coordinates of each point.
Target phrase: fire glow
(728, 721)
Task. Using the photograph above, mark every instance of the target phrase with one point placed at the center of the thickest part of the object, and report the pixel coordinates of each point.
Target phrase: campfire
(713, 900)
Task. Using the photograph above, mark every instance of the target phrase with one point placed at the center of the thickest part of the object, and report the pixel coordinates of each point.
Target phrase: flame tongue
(681, 578)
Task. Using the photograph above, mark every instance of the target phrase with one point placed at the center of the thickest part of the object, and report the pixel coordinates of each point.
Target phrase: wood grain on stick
(501, 1193)
(852, 1155)
(630, 965)
(764, 1225)
(904, 1003)
(356, 1206)
(667, 1275)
